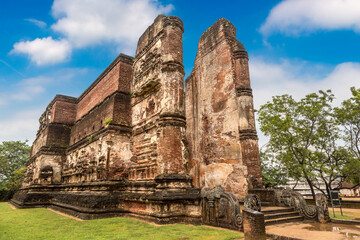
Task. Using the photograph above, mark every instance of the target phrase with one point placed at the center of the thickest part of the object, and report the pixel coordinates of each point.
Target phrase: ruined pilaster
(158, 101)
(220, 115)
(247, 130)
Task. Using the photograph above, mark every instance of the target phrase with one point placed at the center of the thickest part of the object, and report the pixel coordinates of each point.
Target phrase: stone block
(254, 225)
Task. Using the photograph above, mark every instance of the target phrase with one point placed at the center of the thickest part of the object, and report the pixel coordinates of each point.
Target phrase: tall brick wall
(158, 101)
(63, 111)
(57, 118)
(115, 78)
(217, 115)
(79, 122)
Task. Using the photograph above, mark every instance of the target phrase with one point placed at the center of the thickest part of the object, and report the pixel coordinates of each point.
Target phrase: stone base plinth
(164, 200)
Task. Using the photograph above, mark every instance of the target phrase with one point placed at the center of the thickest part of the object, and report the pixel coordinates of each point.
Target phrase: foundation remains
(137, 143)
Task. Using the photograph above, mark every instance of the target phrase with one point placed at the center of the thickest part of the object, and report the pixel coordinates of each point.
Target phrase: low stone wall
(156, 201)
(344, 203)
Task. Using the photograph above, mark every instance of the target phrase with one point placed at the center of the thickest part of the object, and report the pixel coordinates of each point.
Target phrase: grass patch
(338, 216)
(40, 223)
(346, 215)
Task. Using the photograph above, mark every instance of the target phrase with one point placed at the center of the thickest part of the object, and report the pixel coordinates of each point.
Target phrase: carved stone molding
(246, 134)
(240, 54)
(244, 91)
(253, 202)
(220, 208)
(322, 208)
(290, 198)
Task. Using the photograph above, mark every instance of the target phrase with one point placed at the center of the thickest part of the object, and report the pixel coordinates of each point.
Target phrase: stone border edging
(345, 221)
(279, 237)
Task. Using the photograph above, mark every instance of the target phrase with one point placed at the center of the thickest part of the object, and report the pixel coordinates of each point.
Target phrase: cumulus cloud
(299, 79)
(294, 17)
(44, 51)
(270, 79)
(86, 23)
(90, 22)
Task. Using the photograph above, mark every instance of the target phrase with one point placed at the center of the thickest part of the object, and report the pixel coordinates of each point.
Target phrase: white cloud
(38, 23)
(20, 126)
(90, 22)
(86, 23)
(25, 90)
(27, 93)
(28, 88)
(299, 79)
(294, 17)
(44, 51)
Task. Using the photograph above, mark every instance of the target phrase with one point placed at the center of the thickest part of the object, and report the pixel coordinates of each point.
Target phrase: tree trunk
(310, 185)
(328, 188)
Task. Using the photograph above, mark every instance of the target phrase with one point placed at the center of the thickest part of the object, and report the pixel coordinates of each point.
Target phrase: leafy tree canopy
(306, 136)
(13, 157)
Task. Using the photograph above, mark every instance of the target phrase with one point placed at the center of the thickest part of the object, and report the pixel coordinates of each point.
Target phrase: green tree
(348, 116)
(13, 157)
(272, 172)
(304, 138)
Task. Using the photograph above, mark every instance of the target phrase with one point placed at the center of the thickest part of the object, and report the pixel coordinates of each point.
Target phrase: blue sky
(61, 46)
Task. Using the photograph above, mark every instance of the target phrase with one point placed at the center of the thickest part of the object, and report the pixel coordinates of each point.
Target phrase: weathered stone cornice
(244, 91)
(240, 54)
(246, 134)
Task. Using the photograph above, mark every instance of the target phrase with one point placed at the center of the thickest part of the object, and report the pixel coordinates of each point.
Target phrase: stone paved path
(316, 231)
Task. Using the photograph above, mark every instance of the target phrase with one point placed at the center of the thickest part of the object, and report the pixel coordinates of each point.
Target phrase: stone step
(273, 210)
(280, 215)
(266, 204)
(283, 220)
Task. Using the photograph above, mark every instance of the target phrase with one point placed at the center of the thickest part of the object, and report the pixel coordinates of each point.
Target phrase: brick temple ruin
(138, 143)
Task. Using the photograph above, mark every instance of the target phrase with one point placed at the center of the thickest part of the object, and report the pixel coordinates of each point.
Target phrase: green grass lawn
(347, 215)
(40, 223)
(339, 216)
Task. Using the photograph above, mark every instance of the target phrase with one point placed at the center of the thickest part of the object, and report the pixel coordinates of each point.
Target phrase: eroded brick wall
(63, 112)
(106, 157)
(158, 117)
(217, 115)
(115, 78)
(74, 123)
(55, 123)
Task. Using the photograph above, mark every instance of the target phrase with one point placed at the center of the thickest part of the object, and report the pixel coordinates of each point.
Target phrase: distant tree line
(310, 140)
(13, 157)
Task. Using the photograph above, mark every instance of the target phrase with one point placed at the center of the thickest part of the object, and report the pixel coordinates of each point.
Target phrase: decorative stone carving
(253, 202)
(295, 200)
(46, 175)
(322, 208)
(220, 208)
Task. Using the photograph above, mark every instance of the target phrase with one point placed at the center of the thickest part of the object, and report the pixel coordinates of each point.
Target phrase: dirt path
(12, 206)
(315, 230)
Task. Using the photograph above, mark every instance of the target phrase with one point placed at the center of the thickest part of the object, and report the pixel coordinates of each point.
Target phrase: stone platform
(155, 201)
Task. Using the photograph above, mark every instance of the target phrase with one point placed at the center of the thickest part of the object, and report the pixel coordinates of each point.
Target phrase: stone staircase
(276, 215)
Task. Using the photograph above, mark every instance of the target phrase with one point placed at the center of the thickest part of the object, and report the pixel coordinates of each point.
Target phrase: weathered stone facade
(136, 142)
(220, 114)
